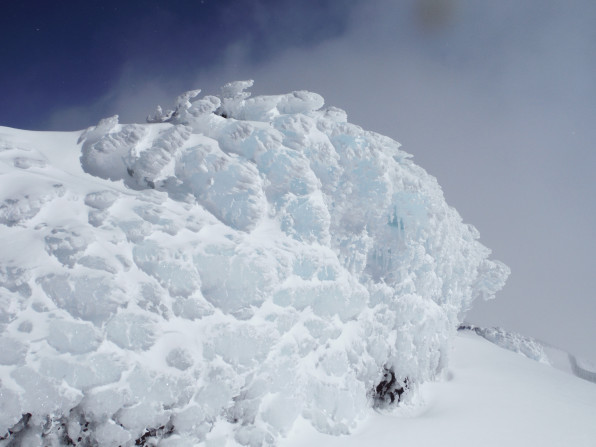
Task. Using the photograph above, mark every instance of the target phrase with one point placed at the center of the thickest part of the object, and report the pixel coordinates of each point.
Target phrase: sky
(495, 99)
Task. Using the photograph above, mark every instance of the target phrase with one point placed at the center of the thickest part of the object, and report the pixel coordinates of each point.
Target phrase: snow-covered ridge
(535, 350)
(237, 261)
(526, 346)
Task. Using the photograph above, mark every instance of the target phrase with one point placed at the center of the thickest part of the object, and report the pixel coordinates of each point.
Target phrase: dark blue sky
(71, 53)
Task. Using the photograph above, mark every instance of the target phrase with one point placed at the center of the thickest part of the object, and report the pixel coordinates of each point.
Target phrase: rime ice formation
(238, 261)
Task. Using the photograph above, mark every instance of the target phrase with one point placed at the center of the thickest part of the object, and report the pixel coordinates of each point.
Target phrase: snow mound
(236, 262)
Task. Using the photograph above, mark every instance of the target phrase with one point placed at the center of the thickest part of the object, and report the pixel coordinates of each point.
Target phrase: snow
(236, 265)
(526, 346)
(488, 396)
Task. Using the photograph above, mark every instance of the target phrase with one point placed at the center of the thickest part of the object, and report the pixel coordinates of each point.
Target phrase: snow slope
(236, 262)
(536, 350)
(489, 397)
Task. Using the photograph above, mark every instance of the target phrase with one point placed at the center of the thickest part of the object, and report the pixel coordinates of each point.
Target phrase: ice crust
(237, 261)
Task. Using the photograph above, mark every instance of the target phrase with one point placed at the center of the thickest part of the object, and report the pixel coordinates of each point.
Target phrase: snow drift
(236, 261)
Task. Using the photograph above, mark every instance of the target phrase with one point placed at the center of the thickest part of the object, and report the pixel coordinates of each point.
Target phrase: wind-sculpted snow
(237, 262)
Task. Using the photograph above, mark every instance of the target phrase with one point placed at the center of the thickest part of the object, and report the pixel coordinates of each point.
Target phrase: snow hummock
(236, 264)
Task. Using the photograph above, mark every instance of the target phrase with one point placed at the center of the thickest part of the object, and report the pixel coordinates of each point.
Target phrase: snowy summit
(235, 265)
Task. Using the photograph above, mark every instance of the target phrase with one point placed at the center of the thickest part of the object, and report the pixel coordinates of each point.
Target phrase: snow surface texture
(526, 346)
(489, 397)
(237, 261)
(536, 350)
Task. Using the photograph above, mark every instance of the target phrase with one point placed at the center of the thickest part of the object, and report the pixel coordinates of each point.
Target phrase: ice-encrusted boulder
(237, 262)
